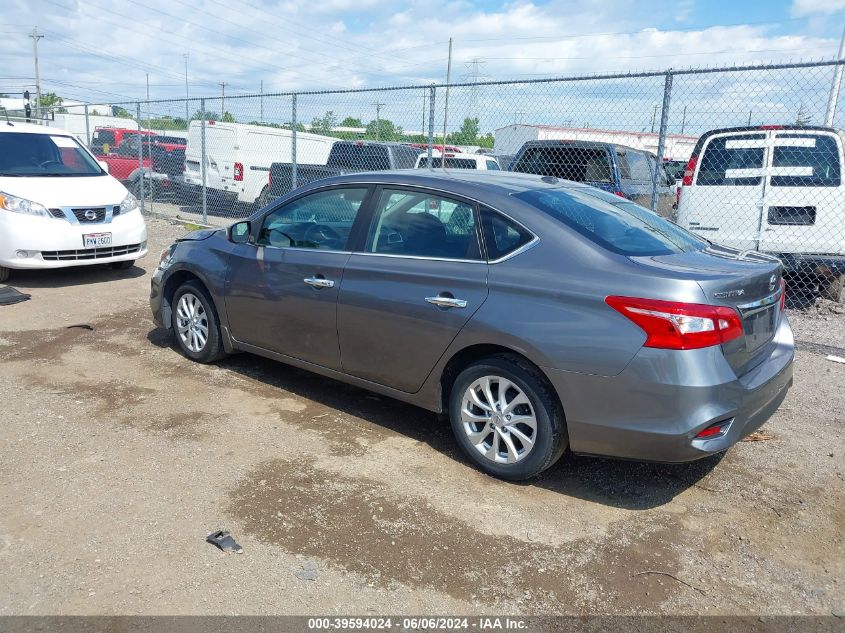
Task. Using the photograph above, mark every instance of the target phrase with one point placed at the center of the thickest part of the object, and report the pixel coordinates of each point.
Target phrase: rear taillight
(239, 171)
(620, 194)
(782, 294)
(689, 172)
(674, 325)
(677, 196)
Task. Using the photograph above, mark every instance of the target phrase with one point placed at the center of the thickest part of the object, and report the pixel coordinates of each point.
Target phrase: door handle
(447, 302)
(317, 282)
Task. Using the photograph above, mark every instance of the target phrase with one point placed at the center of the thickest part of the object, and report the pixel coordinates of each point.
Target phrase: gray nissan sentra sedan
(540, 315)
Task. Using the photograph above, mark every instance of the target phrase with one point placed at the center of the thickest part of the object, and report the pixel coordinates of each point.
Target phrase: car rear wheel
(4, 273)
(506, 418)
(195, 324)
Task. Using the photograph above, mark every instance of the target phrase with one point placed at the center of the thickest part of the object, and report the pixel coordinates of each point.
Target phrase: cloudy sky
(98, 50)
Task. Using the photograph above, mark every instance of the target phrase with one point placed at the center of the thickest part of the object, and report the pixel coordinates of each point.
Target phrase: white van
(59, 207)
(775, 189)
(238, 157)
(457, 160)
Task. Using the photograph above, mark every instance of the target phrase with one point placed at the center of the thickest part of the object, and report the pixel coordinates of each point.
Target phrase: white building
(510, 139)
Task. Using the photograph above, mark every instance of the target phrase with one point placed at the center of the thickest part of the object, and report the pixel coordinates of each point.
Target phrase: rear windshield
(815, 159)
(622, 227)
(451, 163)
(42, 155)
(354, 156)
(581, 164)
(726, 156)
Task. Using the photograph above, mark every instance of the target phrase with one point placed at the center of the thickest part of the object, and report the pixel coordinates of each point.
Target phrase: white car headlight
(130, 203)
(22, 205)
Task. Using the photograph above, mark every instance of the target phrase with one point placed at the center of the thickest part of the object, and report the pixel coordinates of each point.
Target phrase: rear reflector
(689, 172)
(714, 430)
(674, 325)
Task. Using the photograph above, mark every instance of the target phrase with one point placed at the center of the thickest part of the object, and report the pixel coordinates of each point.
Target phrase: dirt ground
(120, 456)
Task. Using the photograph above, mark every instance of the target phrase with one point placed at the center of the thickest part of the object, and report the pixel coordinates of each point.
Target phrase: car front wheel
(195, 324)
(506, 418)
(5, 273)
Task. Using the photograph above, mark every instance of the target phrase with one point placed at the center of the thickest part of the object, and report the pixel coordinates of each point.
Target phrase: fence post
(293, 175)
(140, 155)
(202, 163)
(661, 141)
(87, 129)
(432, 93)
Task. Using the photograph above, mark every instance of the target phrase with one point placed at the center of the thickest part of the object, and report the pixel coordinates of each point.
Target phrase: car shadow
(72, 276)
(622, 484)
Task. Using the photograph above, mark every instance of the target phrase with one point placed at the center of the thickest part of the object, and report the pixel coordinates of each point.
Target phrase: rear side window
(502, 236)
(624, 227)
(633, 165)
(492, 165)
(581, 164)
(727, 157)
(815, 159)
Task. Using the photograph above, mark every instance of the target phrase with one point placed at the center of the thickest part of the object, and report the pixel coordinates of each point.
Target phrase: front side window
(732, 161)
(423, 224)
(633, 165)
(813, 160)
(321, 220)
(44, 155)
(492, 165)
(622, 227)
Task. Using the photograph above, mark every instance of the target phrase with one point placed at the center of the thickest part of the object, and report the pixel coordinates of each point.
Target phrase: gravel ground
(120, 456)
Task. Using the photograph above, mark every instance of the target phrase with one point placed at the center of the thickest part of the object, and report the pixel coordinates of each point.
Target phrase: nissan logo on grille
(773, 281)
(90, 215)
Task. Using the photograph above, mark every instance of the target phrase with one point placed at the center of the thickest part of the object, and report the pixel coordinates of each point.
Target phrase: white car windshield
(39, 155)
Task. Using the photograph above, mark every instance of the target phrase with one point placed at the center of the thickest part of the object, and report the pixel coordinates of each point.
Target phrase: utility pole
(684, 120)
(446, 106)
(35, 37)
(148, 104)
(378, 106)
(423, 113)
(261, 118)
(836, 85)
(187, 114)
(222, 99)
(653, 118)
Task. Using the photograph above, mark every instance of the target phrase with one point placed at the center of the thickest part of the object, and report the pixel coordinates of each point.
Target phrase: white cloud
(803, 8)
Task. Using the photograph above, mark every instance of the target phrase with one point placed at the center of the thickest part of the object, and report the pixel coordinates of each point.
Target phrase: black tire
(212, 350)
(5, 273)
(550, 439)
(124, 265)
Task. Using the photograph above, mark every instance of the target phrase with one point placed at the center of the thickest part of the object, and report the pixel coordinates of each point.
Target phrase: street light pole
(35, 37)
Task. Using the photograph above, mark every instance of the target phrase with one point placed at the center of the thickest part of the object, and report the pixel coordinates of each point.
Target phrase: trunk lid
(746, 281)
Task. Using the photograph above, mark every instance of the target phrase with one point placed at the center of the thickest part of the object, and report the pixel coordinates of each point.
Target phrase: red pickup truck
(163, 160)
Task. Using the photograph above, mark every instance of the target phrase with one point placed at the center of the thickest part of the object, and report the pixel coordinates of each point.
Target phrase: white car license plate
(96, 240)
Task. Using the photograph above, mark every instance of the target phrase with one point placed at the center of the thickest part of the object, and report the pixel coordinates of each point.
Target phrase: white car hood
(68, 191)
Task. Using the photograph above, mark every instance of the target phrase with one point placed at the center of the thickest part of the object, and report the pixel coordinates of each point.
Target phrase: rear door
(725, 202)
(419, 280)
(804, 210)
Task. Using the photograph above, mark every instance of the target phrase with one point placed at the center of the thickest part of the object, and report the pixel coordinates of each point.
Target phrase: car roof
(31, 128)
(571, 143)
(456, 180)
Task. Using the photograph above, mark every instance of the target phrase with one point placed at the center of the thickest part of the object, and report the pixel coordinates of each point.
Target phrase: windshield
(622, 227)
(41, 155)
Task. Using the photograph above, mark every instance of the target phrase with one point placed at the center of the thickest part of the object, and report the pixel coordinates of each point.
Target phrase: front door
(420, 278)
(282, 289)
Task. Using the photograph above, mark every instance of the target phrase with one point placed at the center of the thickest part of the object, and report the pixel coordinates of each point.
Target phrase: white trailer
(511, 138)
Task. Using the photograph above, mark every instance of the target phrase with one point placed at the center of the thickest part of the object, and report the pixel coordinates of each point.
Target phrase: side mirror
(104, 165)
(240, 233)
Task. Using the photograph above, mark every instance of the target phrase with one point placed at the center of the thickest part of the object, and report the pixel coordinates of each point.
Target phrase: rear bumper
(654, 409)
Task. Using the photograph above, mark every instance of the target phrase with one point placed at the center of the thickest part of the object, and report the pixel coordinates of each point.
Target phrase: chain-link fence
(745, 156)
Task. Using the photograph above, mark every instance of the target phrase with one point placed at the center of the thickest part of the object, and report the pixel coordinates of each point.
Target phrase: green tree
(123, 113)
(382, 130)
(351, 122)
(52, 101)
(199, 115)
(803, 118)
(324, 124)
(468, 134)
(228, 117)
